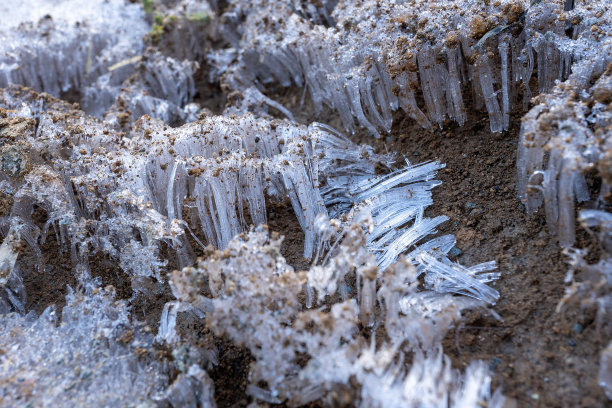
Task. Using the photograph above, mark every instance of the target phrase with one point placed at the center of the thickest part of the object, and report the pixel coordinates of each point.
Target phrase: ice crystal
(563, 137)
(93, 356)
(254, 300)
(572, 125)
(131, 194)
(71, 45)
(147, 179)
(159, 185)
(380, 53)
(108, 66)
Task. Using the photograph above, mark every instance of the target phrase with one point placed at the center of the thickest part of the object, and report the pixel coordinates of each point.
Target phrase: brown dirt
(208, 95)
(231, 375)
(282, 219)
(57, 274)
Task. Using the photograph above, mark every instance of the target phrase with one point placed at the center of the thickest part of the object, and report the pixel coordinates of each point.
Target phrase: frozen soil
(540, 357)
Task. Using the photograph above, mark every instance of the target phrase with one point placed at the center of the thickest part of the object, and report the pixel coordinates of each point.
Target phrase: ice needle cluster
(110, 159)
(566, 143)
(321, 354)
(133, 196)
(382, 56)
(91, 354)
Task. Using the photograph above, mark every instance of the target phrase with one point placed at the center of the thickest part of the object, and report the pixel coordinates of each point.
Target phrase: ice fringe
(396, 201)
(254, 300)
(160, 86)
(567, 132)
(93, 356)
(207, 180)
(97, 55)
(563, 137)
(71, 46)
(130, 195)
(380, 54)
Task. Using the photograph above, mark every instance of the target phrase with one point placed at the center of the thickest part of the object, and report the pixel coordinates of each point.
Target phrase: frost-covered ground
(111, 160)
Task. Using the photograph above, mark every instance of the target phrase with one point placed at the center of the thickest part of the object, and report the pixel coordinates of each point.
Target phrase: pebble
(494, 363)
(578, 328)
(455, 252)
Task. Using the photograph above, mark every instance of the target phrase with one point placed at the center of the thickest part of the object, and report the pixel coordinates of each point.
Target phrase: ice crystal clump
(563, 137)
(149, 181)
(567, 132)
(396, 202)
(107, 67)
(93, 356)
(153, 187)
(303, 356)
(160, 86)
(71, 45)
(566, 138)
(158, 185)
(129, 195)
(380, 54)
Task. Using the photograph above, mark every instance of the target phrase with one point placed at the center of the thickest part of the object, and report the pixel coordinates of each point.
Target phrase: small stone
(494, 363)
(13, 159)
(454, 252)
(539, 243)
(495, 225)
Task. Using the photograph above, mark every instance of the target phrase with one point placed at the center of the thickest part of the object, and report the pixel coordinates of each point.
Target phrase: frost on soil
(139, 173)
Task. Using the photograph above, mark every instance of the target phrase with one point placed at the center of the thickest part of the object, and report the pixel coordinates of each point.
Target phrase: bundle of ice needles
(142, 180)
